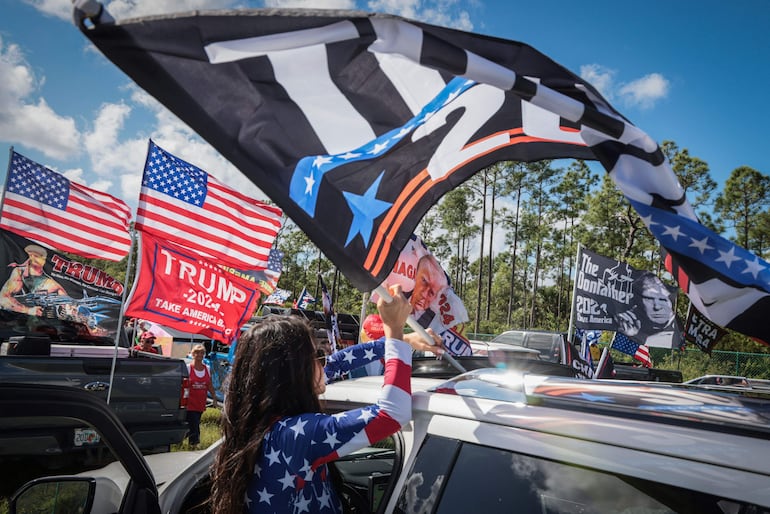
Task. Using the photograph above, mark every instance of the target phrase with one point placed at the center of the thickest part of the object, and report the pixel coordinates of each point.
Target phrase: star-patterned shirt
(291, 475)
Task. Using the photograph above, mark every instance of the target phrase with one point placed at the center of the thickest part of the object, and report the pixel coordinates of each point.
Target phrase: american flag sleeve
(345, 432)
(353, 357)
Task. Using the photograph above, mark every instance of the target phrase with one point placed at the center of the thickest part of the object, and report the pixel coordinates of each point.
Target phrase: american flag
(181, 203)
(44, 206)
(640, 352)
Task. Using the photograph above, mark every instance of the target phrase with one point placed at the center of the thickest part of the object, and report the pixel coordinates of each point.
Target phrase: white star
(320, 160)
(338, 416)
(302, 504)
(727, 257)
(287, 481)
(257, 470)
(754, 267)
(366, 415)
(331, 439)
(378, 147)
(272, 457)
(325, 498)
(347, 156)
(674, 232)
(264, 496)
(307, 470)
(701, 245)
(309, 183)
(348, 357)
(647, 220)
(248, 500)
(369, 354)
(298, 428)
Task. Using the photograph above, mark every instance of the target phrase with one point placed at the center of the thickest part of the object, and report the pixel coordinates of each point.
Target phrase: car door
(36, 421)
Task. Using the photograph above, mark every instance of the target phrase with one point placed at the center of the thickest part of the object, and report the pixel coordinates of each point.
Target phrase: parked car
(549, 344)
(497, 441)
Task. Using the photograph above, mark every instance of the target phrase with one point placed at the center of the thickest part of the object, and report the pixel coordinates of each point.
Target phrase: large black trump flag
(356, 124)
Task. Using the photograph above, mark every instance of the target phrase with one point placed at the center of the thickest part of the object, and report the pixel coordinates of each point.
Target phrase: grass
(210, 431)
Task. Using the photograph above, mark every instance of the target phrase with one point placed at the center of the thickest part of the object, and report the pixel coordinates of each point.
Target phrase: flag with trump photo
(180, 202)
(180, 289)
(435, 304)
(45, 206)
(38, 281)
(368, 119)
(612, 295)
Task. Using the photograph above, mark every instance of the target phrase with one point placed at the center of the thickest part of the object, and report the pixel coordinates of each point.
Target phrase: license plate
(86, 437)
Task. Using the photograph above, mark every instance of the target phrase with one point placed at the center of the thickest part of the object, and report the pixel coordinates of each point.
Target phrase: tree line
(508, 237)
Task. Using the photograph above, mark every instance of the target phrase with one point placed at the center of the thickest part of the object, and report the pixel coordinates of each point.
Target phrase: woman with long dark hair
(276, 440)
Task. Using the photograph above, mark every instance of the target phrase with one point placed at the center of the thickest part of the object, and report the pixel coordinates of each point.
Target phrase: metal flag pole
(384, 294)
(122, 310)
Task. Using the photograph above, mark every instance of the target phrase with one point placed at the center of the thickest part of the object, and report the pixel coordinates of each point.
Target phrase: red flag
(47, 208)
(179, 289)
(181, 203)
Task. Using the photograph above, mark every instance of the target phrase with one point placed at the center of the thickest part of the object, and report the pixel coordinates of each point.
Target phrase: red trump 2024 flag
(179, 289)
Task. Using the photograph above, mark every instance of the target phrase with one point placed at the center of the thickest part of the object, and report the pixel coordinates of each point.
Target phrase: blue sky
(697, 73)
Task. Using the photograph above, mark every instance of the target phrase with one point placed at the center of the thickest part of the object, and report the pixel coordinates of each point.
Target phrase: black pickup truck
(148, 393)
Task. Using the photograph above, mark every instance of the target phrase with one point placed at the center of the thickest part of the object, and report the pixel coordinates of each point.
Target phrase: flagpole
(571, 327)
(384, 294)
(122, 310)
(7, 175)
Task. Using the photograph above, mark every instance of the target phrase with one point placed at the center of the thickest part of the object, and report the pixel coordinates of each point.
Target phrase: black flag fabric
(355, 124)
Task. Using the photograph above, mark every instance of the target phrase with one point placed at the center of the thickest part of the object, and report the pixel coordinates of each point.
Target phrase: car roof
(722, 429)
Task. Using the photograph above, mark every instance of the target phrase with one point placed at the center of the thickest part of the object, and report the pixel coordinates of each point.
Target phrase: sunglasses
(321, 357)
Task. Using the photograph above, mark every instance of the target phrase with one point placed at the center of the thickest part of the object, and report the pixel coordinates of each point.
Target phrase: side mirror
(55, 494)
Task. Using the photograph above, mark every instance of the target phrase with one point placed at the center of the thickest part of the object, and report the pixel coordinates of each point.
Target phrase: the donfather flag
(611, 295)
(179, 289)
(369, 119)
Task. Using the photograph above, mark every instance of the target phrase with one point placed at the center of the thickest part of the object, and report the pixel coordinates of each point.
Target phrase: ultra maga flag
(368, 119)
(48, 208)
(277, 297)
(180, 289)
(180, 202)
(701, 331)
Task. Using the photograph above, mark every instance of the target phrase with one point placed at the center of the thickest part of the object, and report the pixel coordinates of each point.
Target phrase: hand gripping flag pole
(385, 295)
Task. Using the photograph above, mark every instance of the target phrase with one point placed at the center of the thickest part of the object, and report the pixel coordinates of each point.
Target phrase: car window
(491, 480)
(516, 338)
(423, 484)
(48, 447)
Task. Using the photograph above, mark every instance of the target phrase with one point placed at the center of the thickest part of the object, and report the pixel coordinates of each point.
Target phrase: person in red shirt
(146, 342)
(200, 384)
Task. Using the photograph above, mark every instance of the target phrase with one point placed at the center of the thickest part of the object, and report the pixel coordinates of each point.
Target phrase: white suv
(492, 441)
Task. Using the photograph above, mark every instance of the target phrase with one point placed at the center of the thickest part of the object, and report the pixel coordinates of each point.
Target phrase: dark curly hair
(273, 376)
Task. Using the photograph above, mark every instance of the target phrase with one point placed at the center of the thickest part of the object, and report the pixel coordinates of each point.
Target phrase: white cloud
(121, 9)
(643, 92)
(25, 119)
(312, 4)
(600, 77)
(447, 13)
